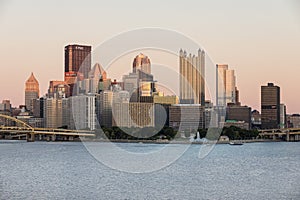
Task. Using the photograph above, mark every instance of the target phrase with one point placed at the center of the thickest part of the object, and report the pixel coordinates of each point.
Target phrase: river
(68, 170)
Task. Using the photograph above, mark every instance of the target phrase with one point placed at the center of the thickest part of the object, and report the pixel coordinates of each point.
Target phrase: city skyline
(255, 45)
(134, 58)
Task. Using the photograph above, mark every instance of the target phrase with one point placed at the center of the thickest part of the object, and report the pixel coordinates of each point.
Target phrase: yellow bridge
(24, 131)
(288, 134)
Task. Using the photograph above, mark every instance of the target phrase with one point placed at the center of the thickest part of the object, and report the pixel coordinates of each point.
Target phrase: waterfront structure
(270, 106)
(239, 113)
(32, 91)
(142, 63)
(192, 76)
(187, 117)
(77, 63)
(226, 91)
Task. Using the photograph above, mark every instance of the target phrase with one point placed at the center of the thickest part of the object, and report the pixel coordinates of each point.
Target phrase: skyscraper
(283, 120)
(192, 75)
(105, 99)
(53, 112)
(142, 62)
(140, 82)
(226, 86)
(77, 62)
(32, 91)
(83, 112)
(270, 106)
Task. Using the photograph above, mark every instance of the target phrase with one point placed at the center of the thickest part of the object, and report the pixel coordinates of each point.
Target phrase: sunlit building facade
(192, 77)
(142, 63)
(32, 91)
(227, 92)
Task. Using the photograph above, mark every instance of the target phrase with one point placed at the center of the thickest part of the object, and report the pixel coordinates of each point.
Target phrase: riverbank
(155, 141)
(178, 141)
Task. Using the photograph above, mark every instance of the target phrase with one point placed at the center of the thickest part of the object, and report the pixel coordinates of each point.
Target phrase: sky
(259, 39)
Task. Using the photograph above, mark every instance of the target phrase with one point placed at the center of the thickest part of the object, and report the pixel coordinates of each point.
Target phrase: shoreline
(157, 141)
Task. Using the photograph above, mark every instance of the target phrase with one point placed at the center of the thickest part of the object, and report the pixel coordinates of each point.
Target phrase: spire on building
(32, 91)
(98, 72)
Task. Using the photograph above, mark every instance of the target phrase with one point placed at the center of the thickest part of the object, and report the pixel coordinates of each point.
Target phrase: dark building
(161, 115)
(77, 62)
(239, 113)
(38, 108)
(187, 117)
(270, 106)
(256, 119)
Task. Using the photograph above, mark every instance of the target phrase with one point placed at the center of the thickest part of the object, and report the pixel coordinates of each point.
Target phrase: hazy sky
(259, 39)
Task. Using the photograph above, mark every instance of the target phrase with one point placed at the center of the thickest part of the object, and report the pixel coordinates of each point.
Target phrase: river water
(66, 170)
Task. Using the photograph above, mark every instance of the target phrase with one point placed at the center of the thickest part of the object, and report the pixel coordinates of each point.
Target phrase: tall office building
(32, 91)
(140, 82)
(105, 99)
(142, 62)
(77, 62)
(270, 106)
(52, 112)
(192, 76)
(58, 89)
(83, 112)
(227, 92)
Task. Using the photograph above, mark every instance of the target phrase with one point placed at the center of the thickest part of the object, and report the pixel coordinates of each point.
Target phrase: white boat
(235, 143)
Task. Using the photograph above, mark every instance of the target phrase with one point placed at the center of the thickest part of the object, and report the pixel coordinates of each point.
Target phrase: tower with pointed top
(192, 76)
(32, 91)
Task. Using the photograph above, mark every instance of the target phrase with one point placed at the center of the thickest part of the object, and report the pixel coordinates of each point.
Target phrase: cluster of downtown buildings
(88, 99)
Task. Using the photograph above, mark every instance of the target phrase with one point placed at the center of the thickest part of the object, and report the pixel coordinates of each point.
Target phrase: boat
(235, 143)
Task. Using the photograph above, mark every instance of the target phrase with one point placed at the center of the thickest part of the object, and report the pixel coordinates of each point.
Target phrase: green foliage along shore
(151, 133)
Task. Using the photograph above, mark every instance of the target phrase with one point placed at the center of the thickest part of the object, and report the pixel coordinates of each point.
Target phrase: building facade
(32, 91)
(142, 63)
(187, 117)
(270, 106)
(83, 112)
(192, 76)
(283, 120)
(227, 92)
(293, 121)
(239, 114)
(53, 113)
(77, 63)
